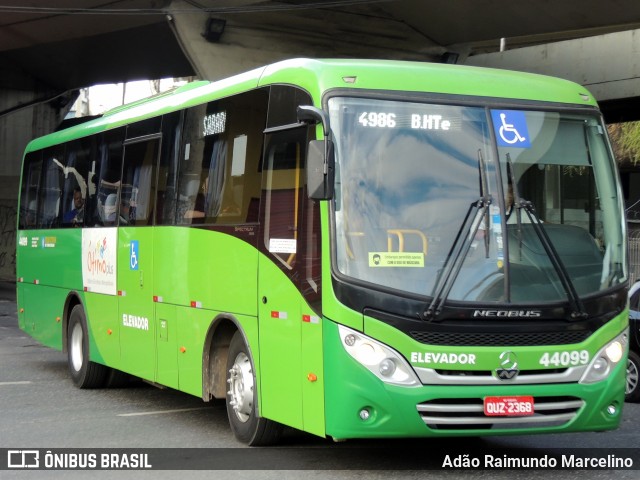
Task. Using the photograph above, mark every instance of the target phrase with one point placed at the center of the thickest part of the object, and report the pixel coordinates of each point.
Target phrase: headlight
(607, 358)
(381, 360)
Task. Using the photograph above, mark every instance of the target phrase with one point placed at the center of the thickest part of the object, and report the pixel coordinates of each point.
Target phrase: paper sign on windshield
(396, 259)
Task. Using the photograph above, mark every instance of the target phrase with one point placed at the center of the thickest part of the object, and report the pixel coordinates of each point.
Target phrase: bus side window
(75, 170)
(192, 165)
(219, 169)
(241, 188)
(165, 205)
(30, 185)
(137, 182)
(50, 192)
(107, 172)
(283, 192)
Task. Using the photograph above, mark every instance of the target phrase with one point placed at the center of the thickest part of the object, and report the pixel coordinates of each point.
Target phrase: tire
(84, 373)
(246, 425)
(117, 379)
(632, 390)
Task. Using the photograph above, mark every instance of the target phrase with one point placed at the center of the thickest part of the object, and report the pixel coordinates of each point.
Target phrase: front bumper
(394, 411)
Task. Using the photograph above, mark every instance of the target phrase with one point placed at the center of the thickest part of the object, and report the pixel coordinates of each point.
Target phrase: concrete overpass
(48, 52)
(608, 65)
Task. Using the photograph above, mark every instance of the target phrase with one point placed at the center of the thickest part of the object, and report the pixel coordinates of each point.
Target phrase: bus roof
(320, 76)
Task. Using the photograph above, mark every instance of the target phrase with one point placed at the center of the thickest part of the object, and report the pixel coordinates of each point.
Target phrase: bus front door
(135, 260)
(290, 331)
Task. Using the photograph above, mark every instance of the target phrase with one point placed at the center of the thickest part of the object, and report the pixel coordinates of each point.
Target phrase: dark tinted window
(283, 105)
(77, 162)
(138, 180)
(168, 169)
(50, 193)
(282, 189)
(144, 127)
(29, 192)
(219, 165)
(105, 179)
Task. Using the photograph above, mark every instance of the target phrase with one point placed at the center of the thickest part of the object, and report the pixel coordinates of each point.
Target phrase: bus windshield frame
(425, 205)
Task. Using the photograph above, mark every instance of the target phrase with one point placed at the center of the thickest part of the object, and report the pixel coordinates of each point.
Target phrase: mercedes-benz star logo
(508, 369)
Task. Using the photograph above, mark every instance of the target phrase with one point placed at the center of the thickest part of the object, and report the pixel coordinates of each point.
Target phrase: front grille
(440, 376)
(466, 339)
(489, 373)
(468, 413)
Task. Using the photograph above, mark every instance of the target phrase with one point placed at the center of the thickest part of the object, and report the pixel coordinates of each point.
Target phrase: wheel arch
(215, 352)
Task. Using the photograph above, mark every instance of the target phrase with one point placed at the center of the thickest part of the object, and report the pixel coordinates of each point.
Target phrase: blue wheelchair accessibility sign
(510, 127)
(134, 254)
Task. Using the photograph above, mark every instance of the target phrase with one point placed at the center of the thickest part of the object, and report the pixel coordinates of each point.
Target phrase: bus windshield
(475, 204)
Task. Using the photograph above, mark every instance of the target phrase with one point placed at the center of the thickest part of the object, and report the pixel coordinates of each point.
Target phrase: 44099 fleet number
(572, 358)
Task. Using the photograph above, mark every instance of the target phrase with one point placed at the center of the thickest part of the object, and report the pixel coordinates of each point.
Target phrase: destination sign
(415, 121)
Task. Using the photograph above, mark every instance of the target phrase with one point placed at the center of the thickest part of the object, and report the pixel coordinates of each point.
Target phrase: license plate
(508, 406)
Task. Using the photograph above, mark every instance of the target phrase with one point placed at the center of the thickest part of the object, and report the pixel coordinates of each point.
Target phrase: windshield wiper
(515, 196)
(520, 203)
(457, 255)
(460, 249)
(574, 299)
(484, 189)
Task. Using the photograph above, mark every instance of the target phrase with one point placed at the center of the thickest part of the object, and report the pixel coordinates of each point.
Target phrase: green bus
(352, 248)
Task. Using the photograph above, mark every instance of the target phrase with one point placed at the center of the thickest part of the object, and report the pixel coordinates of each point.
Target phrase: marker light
(381, 360)
(350, 340)
(606, 359)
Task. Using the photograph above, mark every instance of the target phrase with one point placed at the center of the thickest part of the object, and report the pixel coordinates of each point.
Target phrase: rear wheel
(84, 373)
(242, 397)
(632, 390)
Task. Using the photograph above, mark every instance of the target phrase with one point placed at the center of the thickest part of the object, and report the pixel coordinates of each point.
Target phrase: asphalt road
(41, 409)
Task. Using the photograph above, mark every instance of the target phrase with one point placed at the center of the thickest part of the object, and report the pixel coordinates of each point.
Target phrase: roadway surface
(40, 408)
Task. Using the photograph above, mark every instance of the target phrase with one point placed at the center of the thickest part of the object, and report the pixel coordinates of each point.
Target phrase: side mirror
(320, 159)
(320, 169)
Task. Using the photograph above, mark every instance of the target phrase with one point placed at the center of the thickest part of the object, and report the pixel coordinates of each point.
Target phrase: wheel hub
(241, 387)
(632, 377)
(76, 347)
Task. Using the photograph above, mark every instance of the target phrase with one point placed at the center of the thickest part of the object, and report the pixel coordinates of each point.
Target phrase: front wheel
(84, 373)
(632, 390)
(242, 398)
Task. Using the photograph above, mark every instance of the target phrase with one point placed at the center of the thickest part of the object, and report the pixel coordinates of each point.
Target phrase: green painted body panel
(42, 292)
(350, 387)
(323, 75)
(280, 347)
(135, 302)
(104, 324)
(43, 317)
(197, 265)
(290, 352)
(57, 249)
(331, 307)
(166, 327)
